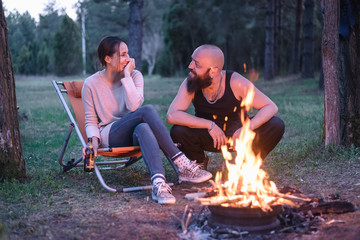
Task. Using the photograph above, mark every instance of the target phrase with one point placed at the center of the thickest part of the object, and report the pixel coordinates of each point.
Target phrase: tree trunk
(355, 71)
(349, 55)
(12, 163)
(330, 46)
(136, 31)
(278, 37)
(295, 52)
(307, 67)
(269, 41)
(321, 79)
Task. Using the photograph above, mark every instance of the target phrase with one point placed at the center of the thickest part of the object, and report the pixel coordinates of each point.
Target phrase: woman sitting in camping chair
(114, 117)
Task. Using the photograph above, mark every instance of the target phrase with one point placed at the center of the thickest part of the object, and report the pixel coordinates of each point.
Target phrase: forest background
(171, 30)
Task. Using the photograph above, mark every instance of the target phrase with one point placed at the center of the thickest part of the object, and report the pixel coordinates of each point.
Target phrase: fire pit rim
(246, 218)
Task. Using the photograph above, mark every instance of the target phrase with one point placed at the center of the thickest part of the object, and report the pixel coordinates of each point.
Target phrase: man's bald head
(211, 54)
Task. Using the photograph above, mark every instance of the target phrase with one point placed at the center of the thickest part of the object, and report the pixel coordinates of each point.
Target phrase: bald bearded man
(217, 95)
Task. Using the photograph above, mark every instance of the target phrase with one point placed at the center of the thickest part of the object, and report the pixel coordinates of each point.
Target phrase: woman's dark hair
(107, 46)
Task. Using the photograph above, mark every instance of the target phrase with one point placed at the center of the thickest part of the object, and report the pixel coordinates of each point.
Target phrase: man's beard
(194, 82)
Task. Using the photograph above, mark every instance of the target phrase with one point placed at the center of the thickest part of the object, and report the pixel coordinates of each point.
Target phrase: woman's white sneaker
(192, 172)
(161, 192)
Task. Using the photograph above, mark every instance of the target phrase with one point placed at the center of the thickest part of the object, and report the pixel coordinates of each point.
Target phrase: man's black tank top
(224, 112)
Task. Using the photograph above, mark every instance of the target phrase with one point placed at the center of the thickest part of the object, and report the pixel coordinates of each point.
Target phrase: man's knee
(176, 132)
(272, 131)
(278, 125)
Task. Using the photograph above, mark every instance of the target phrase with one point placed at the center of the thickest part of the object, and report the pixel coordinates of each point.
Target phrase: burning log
(205, 199)
(294, 198)
(217, 201)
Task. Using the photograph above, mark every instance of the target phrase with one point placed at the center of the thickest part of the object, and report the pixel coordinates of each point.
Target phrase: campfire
(247, 185)
(246, 192)
(243, 198)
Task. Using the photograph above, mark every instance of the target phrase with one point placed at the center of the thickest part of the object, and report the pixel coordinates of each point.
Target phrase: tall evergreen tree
(330, 51)
(49, 25)
(183, 32)
(307, 66)
(136, 31)
(103, 18)
(22, 36)
(269, 47)
(296, 41)
(278, 36)
(349, 79)
(67, 48)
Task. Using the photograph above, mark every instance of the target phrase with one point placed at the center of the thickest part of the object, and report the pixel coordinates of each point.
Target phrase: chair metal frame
(133, 152)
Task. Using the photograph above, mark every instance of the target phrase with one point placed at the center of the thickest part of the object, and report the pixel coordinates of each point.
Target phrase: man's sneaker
(204, 165)
(192, 173)
(161, 192)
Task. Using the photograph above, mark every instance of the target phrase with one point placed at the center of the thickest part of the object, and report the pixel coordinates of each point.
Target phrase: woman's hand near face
(129, 67)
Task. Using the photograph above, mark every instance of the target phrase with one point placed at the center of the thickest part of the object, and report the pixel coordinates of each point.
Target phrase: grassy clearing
(299, 159)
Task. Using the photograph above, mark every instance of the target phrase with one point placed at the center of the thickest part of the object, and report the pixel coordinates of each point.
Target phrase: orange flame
(247, 184)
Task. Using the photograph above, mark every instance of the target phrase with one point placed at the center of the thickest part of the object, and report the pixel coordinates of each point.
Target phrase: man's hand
(235, 136)
(218, 136)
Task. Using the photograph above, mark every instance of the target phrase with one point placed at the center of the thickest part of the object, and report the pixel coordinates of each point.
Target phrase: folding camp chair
(132, 153)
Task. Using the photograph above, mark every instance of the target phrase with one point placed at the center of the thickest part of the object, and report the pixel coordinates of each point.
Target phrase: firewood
(329, 207)
(217, 201)
(293, 198)
(335, 221)
(192, 196)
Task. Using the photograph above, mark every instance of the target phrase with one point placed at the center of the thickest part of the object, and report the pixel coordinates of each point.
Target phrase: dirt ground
(87, 211)
(135, 216)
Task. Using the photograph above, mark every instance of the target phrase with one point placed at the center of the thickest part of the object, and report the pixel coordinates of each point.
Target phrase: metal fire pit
(247, 219)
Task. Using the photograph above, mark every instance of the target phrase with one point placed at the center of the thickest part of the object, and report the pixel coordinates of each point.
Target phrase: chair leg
(71, 164)
(61, 156)
(102, 182)
(132, 160)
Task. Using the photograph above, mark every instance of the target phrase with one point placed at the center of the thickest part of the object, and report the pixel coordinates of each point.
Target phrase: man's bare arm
(177, 111)
(265, 106)
(177, 115)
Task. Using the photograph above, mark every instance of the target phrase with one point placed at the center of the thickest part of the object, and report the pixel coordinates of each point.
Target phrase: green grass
(300, 151)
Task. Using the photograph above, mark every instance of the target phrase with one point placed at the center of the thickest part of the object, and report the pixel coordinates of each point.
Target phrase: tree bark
(307, 66)
(348, 65)
(269, 41)
(330, 46)
(295, 52)
(354, 42)
(136, 31)
(278, 36)
(12, 163)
